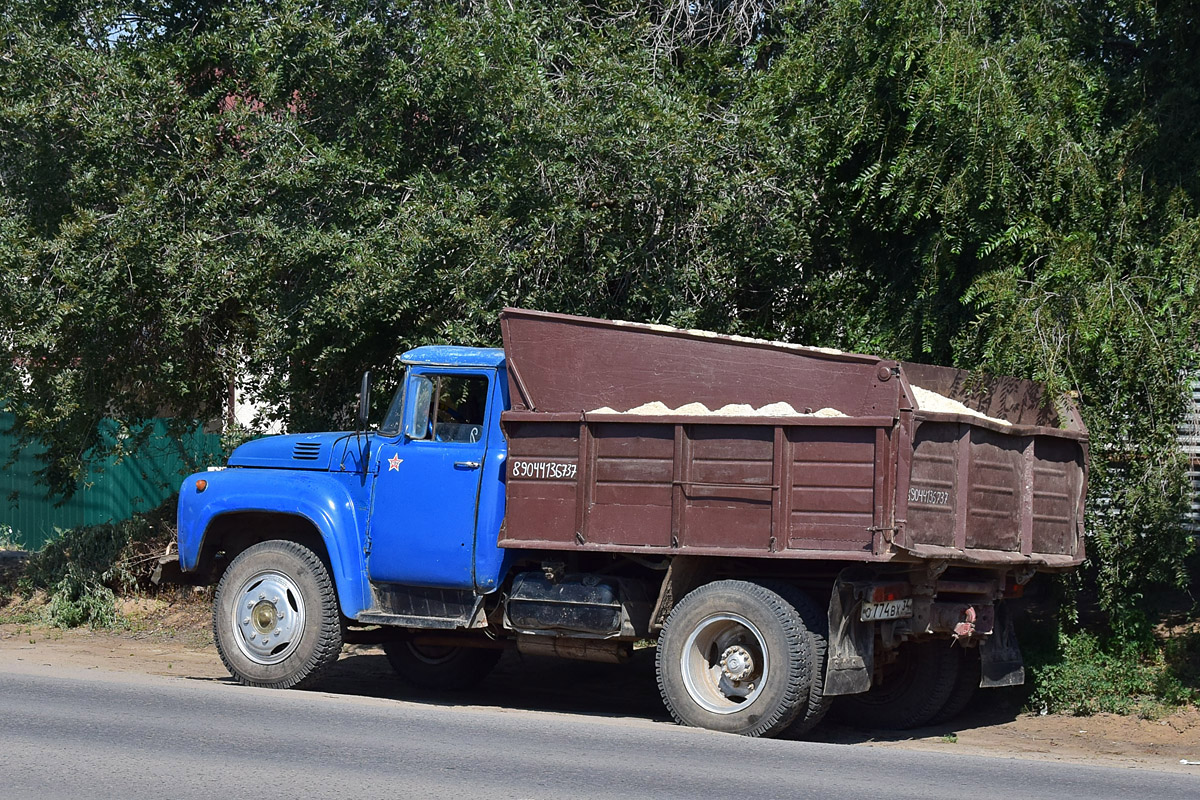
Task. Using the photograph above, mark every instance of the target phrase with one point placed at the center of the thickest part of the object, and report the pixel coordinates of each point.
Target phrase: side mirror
(364, 402)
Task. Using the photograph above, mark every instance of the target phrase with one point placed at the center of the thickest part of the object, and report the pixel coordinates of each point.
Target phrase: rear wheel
(914, 689)
(816, 620)
(964, 686)
(735, 657)
(275, 616)
(440, 666)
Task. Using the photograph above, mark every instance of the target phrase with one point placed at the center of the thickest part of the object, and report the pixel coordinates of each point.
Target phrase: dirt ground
(174, 638)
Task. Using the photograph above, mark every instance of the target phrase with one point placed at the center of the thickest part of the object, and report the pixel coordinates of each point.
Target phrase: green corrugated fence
(112, 491)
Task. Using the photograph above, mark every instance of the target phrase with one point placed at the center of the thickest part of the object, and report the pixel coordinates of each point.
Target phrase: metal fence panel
(1189, 440)
(112, 490)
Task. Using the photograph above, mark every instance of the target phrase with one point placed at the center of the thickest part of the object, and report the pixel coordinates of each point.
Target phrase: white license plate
(890, 609)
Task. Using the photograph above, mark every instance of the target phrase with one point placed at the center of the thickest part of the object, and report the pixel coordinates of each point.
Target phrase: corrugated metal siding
(1193, 517)
(1189, 438)
(111, 492)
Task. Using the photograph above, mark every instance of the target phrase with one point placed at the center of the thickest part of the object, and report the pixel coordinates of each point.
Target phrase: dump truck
(788, 526)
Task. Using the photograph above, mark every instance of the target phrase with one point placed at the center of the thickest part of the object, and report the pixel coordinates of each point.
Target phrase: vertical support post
(962, 486)
(781, 477)
(905, 433)
(884, 493)
(584, 481)
(1026, 499)
(679, 475)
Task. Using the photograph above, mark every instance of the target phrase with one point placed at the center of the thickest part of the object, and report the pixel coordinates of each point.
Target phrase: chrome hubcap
(269, 615)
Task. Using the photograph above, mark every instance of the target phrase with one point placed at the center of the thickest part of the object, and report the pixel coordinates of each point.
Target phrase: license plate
(890, 609)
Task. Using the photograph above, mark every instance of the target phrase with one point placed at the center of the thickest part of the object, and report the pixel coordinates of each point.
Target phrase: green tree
(192, 192)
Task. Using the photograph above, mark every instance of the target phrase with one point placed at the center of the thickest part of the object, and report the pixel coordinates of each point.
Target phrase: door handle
(467, 465)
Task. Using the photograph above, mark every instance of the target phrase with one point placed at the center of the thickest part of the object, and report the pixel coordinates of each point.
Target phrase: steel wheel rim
(725, 663)
(268, 615)
(432, 654)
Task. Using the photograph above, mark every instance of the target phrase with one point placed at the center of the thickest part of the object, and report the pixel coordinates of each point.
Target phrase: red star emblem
(394, 463)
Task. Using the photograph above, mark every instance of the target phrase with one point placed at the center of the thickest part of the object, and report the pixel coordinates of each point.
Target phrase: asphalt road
(74, 734)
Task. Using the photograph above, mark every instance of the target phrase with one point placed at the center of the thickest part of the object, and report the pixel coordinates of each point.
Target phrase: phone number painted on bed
(549, 470)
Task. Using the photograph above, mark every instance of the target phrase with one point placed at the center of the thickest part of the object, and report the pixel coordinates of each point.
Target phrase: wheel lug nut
(246, 621)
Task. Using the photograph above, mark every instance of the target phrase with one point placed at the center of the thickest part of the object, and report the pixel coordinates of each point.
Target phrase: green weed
(9, 539)
(11, 564)
(83, 570)
(1082, 674)
(81, 599)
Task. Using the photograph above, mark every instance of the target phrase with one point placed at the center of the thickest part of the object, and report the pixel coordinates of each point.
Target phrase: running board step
(424, 607)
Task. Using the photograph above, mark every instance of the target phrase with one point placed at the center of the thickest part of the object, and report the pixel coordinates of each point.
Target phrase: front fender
(335, 503)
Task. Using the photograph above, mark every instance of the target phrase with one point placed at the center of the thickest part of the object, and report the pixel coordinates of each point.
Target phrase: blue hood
(297, 451)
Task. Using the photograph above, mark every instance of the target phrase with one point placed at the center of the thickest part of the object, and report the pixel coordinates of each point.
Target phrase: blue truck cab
(396, 526)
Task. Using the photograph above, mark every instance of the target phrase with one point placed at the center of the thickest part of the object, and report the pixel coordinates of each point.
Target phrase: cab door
(424, 504)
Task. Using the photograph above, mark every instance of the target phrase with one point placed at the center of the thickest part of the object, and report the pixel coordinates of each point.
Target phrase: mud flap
(851, 657)
(1000, 654)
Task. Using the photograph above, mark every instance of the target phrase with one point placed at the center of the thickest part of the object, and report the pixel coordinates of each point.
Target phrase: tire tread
(910, 700)
(816, 620)
(965, 685)
(329, 631)
(800, 661)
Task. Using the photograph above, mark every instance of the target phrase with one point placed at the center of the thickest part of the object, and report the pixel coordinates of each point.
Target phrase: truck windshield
(393, 420)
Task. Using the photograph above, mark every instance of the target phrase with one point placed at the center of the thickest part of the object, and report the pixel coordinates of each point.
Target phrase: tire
(912, 693)
(438, 667)
(276, 619)
(816, 620)
(964, 686)
(735, 657)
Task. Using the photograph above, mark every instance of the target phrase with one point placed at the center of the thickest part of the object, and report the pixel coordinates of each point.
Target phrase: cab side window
(451, 408)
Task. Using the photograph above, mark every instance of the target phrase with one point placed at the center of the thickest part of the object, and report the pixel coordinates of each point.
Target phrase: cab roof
(441, 355)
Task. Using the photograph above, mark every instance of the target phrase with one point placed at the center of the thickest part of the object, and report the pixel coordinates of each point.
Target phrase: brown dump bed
(625, 436)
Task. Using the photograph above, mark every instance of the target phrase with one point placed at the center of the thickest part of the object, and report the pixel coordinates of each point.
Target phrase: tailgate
(996, 474)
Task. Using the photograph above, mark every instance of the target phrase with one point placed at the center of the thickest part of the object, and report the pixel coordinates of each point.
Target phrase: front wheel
(735, 657)
(275, 616)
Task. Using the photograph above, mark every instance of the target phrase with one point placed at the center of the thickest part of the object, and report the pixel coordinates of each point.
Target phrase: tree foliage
(285, 193)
